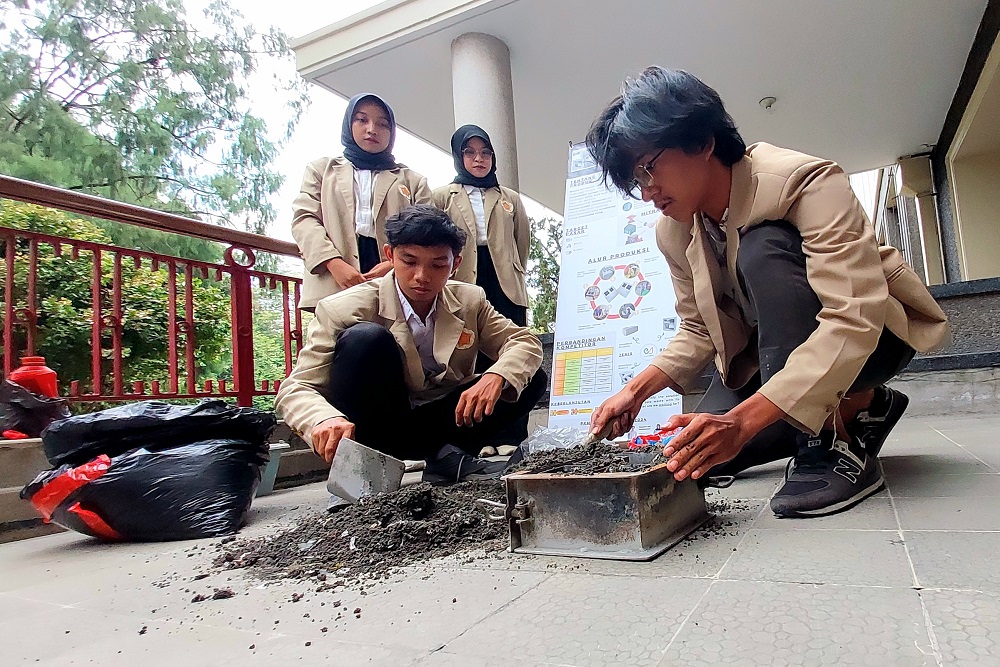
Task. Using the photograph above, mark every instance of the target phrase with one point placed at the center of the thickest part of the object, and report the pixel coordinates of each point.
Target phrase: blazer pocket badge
(507, 206)
(466, 339)
(403, 190)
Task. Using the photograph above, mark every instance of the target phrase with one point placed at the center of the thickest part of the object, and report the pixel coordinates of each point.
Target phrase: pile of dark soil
(382, 532)
(596, 458)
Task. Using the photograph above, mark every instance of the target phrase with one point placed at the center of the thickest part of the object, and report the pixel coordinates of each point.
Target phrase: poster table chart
(584, 371)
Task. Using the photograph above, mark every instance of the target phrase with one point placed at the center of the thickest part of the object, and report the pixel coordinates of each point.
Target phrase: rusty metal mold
(618, 516)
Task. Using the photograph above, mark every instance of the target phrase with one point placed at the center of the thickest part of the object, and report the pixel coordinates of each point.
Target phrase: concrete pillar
(484, 96)
(916, 179)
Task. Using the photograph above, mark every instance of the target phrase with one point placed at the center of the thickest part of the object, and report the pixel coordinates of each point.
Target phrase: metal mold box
(618, 516)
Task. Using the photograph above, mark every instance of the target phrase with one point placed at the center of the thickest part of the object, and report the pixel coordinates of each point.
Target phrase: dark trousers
(771, 268)
(486, 277)
(367, 384)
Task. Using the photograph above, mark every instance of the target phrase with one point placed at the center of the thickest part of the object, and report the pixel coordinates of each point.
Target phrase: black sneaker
(872, 430)
(827, 476)
(460, 467)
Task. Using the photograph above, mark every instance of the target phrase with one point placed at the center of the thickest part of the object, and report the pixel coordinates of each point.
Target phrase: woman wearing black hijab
(493, 216)
(340, 212)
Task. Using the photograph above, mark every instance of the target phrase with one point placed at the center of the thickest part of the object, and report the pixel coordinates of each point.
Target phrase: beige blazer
(861, 286)
(465, 324)
(508, 235)
(323, 217)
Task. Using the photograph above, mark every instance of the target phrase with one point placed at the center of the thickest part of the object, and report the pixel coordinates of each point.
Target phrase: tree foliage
(543, 276)
(132, 100)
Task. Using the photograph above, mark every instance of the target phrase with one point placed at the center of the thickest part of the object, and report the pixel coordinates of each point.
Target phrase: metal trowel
(360, 471)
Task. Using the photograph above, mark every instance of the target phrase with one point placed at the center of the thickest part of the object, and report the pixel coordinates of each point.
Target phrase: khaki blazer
(465, 324)
(323, 217)
(861, 286)
(508, 235)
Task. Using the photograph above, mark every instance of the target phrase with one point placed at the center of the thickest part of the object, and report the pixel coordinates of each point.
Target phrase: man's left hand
(478, 400)
(707, 440)
(378, 270)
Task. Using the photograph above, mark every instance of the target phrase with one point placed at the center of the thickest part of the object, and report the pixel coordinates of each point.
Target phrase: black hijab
(358, 156)
(458, 142)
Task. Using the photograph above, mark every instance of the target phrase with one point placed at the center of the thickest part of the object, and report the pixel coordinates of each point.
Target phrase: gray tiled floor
(906, 578)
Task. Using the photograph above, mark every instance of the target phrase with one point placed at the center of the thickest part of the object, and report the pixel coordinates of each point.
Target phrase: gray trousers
(771, 268)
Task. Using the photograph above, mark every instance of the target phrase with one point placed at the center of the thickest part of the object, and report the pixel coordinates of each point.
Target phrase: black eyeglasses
(642, 176)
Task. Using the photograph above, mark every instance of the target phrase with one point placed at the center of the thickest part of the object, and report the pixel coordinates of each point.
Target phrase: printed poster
(615, 309)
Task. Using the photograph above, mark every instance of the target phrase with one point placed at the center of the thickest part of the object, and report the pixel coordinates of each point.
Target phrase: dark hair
(662, 108)
(424, 226)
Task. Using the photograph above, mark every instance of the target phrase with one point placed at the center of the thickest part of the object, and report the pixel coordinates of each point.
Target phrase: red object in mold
(36, 377)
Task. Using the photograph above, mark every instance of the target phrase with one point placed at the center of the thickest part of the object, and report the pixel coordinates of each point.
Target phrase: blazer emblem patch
(466, 340)
(403, 190)
(507, 206)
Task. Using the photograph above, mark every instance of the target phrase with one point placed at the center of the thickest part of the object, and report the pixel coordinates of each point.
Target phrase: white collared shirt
(423, 333)
(364, 221)
(478, 208)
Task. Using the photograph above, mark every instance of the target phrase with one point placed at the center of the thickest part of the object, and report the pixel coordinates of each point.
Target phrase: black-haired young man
(391, 363)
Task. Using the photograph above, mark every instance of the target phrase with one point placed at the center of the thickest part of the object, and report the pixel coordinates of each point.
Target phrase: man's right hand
(345, 274)
(326, 436)
(620, 411)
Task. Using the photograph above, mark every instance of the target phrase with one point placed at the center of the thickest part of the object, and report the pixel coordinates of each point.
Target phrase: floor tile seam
(571, 570)
(931, 634)
(684, 621)
(967, 473)
(137, 618)
(952, 441)
(949, 530)
(828, 584)
(22, 598)
(422, 659)
(951, 497)
(828, 530)
(494, 612)
(902, 538)
(614, 575)
(743, 539)
(952, 589)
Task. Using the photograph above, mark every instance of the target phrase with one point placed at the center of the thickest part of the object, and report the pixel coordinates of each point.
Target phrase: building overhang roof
(857, 81)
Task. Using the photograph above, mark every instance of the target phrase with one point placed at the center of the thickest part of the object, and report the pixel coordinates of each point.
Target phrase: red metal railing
(23, 251)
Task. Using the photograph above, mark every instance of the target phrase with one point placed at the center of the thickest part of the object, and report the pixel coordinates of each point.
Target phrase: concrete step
(20, 461)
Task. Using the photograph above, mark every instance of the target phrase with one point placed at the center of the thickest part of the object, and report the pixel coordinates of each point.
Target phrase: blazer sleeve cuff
(802, 412)
(683, 375)
(317, 262)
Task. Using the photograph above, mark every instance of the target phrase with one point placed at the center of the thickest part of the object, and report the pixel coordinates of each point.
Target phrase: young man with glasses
(780, 280)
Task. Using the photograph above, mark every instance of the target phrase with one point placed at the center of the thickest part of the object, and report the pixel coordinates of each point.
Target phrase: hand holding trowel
(360, 471)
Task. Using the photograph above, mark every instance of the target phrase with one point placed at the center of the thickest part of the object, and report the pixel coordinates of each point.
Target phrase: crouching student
(391, 362)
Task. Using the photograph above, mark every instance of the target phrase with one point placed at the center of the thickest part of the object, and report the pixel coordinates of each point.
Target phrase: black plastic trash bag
(203, 489)
(152, 425)
(27, 412)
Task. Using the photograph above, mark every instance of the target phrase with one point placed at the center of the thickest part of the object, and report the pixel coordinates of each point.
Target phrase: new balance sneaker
(827, 476)
(457, 466)
(872, 426)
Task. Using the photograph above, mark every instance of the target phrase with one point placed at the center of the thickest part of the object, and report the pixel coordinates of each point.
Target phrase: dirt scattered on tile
(381, 533)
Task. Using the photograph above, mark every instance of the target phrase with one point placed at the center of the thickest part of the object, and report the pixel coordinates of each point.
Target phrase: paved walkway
(909, 577)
